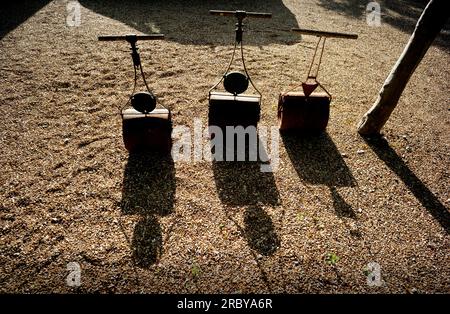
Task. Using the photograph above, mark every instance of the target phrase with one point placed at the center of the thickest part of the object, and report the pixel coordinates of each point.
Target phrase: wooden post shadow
(428, 200)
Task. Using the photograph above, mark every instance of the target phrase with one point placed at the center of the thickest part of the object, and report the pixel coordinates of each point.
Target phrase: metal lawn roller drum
(308, 110)
(232, 107)
(144, 126)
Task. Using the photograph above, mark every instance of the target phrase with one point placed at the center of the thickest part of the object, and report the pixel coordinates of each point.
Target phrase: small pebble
(361, 151)
(8, 217)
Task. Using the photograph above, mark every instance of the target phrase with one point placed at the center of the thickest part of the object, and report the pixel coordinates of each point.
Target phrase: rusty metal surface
(147, 132)
(297, 112)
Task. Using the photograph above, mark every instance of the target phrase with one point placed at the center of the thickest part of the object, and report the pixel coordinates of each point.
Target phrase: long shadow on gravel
(14, 13)
(259, 231)
(401, 14)
(148, 191)
(381, 147)
(241, 183)
(189, 22)
(318, 162)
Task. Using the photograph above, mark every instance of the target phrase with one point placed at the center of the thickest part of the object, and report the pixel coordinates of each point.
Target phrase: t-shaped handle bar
(305, 31)
(241, 14)
(131, 38)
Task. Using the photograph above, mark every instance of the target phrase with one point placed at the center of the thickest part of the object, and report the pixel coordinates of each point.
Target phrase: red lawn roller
(144, 127)
(308, 110)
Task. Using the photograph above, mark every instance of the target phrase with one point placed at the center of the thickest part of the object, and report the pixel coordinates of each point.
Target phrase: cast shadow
(403, 14)
(147, 241)
(148, 191)
(189, 22)
(14, 13)
(317, 161)
(242, 183)
(341, 207)
(259, 231)
(381, 147)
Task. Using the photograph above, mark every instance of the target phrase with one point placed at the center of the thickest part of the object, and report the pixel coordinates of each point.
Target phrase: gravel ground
(71, 193)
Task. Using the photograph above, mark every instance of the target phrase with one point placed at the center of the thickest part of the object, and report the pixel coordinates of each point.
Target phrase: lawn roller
(144, 127)
(232, 107)
(307, 110)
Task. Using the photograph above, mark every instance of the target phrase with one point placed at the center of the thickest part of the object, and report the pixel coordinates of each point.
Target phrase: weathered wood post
(427, 28)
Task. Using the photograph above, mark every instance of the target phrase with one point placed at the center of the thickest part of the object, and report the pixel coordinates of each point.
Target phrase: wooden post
(427, 28)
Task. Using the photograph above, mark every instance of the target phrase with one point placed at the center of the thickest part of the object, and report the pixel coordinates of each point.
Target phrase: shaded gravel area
(70, 192)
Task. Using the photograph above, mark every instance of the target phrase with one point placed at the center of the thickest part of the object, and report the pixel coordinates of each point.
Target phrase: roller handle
(305, 31)
(241, 13)
(130, 37)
